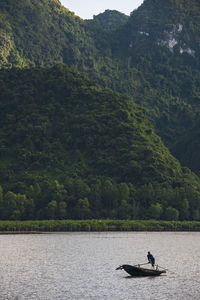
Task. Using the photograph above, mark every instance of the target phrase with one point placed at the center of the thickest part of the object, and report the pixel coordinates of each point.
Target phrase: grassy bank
(96, 225)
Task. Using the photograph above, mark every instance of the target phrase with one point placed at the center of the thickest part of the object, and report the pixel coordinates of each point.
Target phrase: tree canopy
(72, 148)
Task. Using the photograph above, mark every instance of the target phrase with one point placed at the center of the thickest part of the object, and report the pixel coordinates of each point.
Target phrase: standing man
(151, 259)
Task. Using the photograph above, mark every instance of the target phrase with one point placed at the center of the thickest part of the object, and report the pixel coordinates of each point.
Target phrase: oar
(162, 268)
(140, 264)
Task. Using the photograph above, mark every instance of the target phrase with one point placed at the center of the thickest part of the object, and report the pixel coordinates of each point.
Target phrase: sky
(87, 8)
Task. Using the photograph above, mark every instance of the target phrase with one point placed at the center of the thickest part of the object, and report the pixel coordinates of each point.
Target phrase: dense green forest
(110, 20)
(153, 55)
(188, 147)
(72, 147)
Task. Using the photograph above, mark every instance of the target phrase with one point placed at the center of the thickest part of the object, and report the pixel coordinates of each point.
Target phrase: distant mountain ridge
(161, 40)
(169, 23)
(109, 20)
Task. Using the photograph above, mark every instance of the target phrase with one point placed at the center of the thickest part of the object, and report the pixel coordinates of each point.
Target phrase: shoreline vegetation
(30, 227)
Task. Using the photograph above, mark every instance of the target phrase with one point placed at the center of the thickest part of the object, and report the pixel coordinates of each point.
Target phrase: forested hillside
(188, 148)
(161, 40)
(72, 147)
(35, 33)
(110, 20)
(153, 57)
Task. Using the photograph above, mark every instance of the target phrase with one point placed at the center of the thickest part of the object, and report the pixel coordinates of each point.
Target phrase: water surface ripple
(80, 266)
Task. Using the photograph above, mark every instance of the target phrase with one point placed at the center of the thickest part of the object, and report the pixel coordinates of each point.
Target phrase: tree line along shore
(96, 225)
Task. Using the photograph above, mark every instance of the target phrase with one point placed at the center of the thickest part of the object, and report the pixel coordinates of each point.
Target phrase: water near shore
(80, 266)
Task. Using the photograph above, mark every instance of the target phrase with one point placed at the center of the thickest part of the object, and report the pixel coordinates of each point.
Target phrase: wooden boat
(138, 271)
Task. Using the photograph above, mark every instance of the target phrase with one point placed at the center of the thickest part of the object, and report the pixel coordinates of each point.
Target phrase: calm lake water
(80, 266)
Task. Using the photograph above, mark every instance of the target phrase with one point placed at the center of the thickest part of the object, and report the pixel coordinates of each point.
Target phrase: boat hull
(137, 271)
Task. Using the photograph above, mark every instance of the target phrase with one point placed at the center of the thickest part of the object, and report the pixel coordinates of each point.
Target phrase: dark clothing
(151, 259)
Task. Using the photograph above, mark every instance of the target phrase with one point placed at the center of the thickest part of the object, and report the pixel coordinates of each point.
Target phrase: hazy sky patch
(87, 8)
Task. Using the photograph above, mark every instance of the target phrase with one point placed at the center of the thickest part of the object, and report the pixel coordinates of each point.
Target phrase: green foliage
(71, 149)
(164, 80)
(155, 211)
(96, 225)
(171, 213)
(188, 147)
(109, 20)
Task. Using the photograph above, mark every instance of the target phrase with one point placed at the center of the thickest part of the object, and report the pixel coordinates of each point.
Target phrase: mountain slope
(43, 104)
(187, 149)
(161, 41)
(168, 23)
(109, 20)
(42, 33)
(37, 33)
(57, 124)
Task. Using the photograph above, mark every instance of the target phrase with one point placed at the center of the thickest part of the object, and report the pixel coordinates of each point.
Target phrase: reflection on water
(80, 266)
